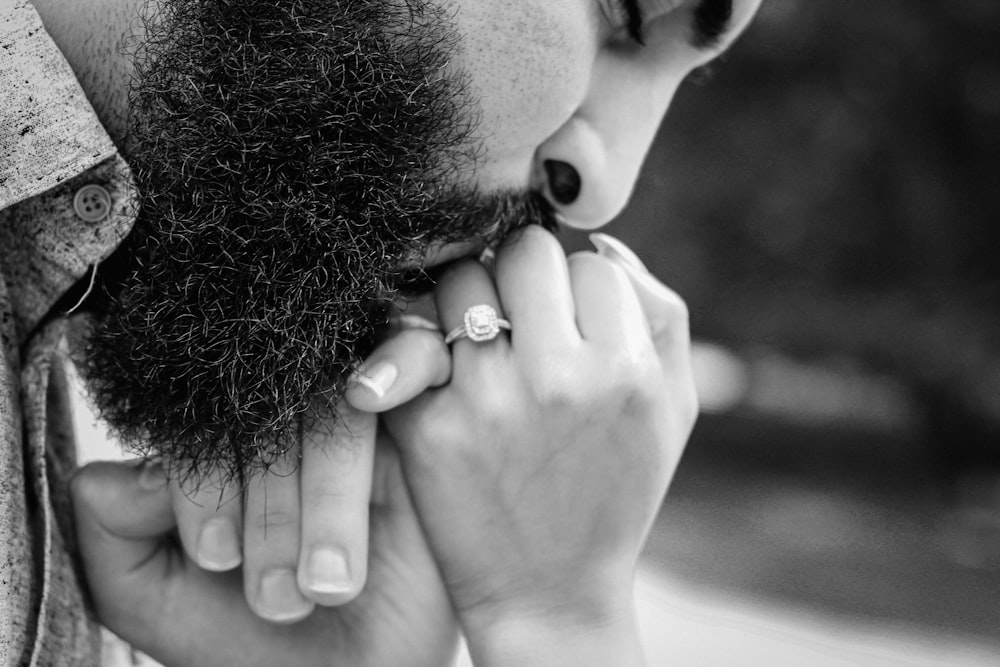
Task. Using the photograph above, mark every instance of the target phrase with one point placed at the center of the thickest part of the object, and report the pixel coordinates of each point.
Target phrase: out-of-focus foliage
(834, 190)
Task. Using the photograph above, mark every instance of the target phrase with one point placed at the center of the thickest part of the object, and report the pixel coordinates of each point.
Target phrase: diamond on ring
(481, 324)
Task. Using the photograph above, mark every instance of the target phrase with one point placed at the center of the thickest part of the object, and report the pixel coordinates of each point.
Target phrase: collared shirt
(51, 146)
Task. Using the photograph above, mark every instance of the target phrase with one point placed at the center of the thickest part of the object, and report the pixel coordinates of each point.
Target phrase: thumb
(123, 515)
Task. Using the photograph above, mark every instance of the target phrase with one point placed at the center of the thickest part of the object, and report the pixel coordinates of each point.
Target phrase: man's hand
(537, 471)
(146, 589)
(300, 530)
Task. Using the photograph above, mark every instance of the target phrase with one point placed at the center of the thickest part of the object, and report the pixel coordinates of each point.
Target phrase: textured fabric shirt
(51, 146)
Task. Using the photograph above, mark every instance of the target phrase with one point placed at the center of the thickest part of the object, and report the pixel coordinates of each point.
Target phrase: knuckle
(330, 496)
(635, 400)
(429, 346)
(670, 320)
(675, 309)
(426, 341)
(409, 344)
(630, 372)
(638, 388)
(274, 518)
(97, 486)
(85, 488)
(620, 378)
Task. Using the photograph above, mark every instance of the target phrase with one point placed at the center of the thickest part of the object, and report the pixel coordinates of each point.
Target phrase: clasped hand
(509, 486)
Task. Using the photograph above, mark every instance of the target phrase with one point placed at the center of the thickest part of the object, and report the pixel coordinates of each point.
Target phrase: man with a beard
(291, 168)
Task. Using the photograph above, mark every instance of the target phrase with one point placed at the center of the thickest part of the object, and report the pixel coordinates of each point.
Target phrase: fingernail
(411, 321)
(327, 571)
(279, 599)
(488, 258)
(378, 378)
(153, 476)
(615, 250)
(218, 545)
(564, 181)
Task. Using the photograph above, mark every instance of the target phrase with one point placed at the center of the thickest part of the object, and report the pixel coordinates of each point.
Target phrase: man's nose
(589, 166)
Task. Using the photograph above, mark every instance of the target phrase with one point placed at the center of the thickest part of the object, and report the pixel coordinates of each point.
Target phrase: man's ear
(607, 138)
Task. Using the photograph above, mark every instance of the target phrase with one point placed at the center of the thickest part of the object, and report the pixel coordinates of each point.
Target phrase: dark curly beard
(293, 158)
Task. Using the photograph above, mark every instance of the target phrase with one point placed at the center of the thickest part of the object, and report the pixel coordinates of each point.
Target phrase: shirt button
(92, 203)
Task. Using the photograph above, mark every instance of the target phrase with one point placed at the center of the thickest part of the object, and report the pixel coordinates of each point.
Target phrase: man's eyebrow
(711, 22)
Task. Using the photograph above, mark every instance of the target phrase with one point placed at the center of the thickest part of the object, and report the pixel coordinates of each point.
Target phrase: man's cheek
(528, 65)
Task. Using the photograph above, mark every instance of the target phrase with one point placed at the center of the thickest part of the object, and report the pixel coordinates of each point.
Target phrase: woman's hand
(537, 471)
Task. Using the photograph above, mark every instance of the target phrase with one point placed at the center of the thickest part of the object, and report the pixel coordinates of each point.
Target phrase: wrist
(572, 633)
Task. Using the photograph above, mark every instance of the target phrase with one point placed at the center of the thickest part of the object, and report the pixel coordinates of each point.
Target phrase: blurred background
(827, 200)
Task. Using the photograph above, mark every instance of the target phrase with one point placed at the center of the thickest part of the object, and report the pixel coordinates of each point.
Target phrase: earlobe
(577, 177)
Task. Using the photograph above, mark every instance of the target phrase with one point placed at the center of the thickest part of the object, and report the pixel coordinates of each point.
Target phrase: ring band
(481, 324)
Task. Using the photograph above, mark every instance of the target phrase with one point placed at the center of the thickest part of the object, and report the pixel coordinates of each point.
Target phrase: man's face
(298, 160)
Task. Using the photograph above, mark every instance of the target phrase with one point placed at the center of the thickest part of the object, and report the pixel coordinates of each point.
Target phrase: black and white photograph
(499, 333)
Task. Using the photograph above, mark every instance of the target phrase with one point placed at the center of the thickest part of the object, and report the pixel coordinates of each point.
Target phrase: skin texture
(556, 80)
